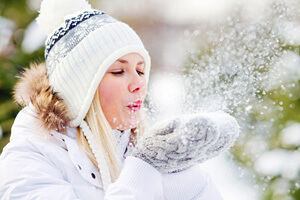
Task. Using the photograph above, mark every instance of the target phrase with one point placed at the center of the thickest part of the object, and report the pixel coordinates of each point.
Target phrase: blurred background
(235, 55)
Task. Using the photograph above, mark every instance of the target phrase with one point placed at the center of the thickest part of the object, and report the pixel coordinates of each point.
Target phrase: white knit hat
(82, 43)
(81, 49)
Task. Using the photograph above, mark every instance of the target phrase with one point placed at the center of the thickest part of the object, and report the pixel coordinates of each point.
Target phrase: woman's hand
(177, 144)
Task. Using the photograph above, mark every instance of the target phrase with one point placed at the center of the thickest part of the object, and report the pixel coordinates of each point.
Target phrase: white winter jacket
(33, 166)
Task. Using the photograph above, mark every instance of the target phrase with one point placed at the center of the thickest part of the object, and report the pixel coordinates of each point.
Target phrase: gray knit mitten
(177, 144)
(229, 131)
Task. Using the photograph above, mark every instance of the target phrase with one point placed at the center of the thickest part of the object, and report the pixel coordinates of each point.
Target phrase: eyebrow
(125, 61)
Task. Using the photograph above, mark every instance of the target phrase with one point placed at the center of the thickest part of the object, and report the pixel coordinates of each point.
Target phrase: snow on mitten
(177, 144)
(229, 131)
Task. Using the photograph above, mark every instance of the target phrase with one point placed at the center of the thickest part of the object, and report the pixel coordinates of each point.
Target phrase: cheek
(112, 95)
(109, 95)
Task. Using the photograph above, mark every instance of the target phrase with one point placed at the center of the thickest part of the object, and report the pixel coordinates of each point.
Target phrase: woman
(78, 136)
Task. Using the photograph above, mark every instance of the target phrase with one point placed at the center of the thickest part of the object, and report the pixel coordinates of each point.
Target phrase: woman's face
(122, 91)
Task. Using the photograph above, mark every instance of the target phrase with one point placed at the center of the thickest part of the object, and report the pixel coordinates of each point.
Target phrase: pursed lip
(135, 106)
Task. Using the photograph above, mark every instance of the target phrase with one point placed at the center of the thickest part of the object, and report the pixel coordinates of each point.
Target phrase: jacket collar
(122, 138)
(26, 125)
(82, 163)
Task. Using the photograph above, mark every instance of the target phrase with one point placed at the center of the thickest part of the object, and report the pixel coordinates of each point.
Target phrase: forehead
(131, 57)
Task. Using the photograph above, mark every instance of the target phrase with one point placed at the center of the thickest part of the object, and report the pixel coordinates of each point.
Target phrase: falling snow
(242, 65)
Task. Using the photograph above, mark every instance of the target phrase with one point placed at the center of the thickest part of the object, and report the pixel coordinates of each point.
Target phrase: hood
(33, 88)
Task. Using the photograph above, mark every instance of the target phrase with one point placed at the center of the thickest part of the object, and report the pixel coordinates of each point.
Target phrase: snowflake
(57, 53)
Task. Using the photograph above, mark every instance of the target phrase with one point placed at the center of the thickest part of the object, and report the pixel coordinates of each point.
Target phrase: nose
(137, 84)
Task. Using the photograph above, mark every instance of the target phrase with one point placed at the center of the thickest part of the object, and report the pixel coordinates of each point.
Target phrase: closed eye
(118, 72)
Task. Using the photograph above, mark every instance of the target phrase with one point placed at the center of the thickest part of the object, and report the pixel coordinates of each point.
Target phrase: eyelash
(121, 72)
(117, 73)
(140, 73)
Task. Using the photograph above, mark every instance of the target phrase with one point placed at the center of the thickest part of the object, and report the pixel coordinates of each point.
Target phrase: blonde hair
(103, 135)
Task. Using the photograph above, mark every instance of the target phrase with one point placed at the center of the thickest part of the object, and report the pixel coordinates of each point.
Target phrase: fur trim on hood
(33, 87)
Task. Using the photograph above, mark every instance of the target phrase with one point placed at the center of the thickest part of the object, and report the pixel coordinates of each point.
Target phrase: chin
(131, 124)
(126, 125)
(128, 121)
